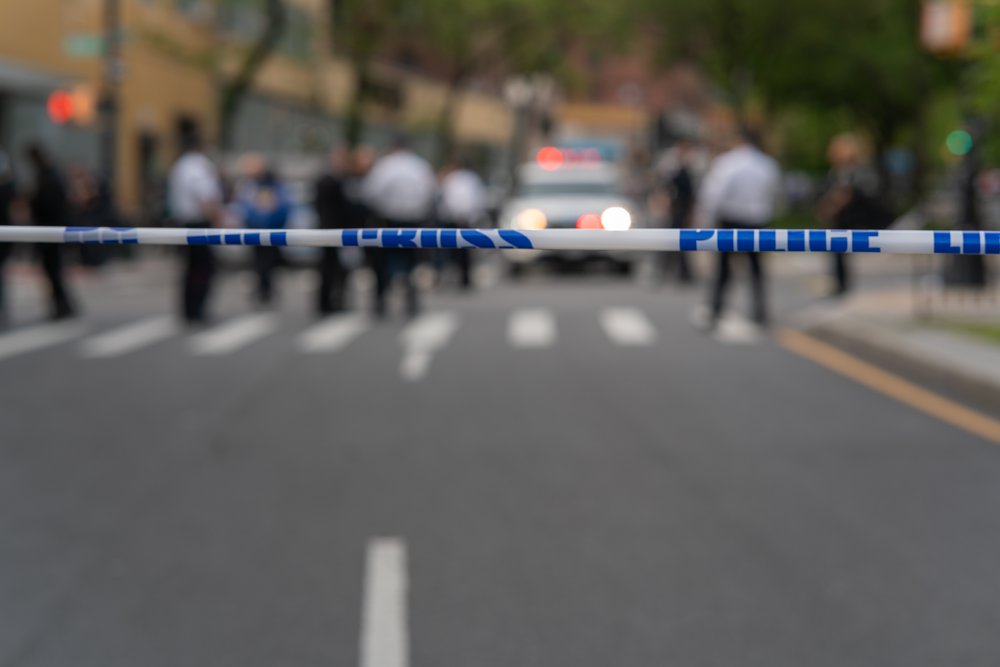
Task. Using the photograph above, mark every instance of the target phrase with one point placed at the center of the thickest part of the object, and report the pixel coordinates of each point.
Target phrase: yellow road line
(891, 385)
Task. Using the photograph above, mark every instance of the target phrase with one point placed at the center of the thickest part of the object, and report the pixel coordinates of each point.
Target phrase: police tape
(712, 240)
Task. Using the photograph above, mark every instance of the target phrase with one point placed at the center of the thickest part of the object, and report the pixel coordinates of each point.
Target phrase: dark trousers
(386, 263)
(460, 257)
(265, 260)
(723, 274)
(841, 274)
(199, 270)
(332, 281)
(51, 256)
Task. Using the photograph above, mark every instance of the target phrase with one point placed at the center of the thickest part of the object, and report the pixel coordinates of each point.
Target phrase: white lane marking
(233, 335)
(421, 339)
(531, 328)
(38, 337)
(628, 327)
(130, 337)
(385, 640)
(333, 333)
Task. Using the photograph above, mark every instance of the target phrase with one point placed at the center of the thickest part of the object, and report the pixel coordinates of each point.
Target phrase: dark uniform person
(335, 211)
(50, 208)
(682, 198)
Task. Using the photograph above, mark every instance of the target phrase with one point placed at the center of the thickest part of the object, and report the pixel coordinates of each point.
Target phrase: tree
(361, 30)
(862, 56)
(234, 90)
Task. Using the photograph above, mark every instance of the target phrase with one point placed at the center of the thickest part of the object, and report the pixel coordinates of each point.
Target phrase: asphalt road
(557, 472)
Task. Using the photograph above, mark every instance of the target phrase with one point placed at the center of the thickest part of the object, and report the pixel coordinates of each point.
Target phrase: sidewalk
(920, 327)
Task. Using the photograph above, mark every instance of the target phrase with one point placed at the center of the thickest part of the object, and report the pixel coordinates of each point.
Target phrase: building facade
(177, 55)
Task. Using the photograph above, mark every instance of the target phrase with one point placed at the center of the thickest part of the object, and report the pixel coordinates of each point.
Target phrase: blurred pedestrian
(740, 191)
(90, 206)
(50, 208)
(850, 201)
(8, 193)
(195, 200)
(681, 190)
(334, 210)
(263, 202)
(461, 203)
(399, 190)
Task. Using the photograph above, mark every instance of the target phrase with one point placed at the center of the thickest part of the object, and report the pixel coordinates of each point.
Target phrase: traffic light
(77, 105)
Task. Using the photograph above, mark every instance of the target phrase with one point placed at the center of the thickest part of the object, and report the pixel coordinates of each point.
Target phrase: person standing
(8, 192)
(334, 211)
(851, 200)
(264, 203)
(49, 207)
(462, 201)
(681, 190)
(740, 191)
(195, 200)
(399, 190)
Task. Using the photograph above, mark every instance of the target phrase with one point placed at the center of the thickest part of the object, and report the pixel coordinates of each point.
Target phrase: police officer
(50, 208)
(740, 191)
(335, 211)
(195, 200)
(399, 190)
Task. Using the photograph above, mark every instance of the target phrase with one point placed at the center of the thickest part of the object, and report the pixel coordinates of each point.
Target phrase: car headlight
(616, 219)
(530, 218)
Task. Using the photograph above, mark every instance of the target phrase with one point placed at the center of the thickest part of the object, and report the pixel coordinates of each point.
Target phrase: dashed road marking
(385, 640)
(531, 328)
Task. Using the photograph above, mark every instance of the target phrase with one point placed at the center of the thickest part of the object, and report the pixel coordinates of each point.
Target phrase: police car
(565, 189)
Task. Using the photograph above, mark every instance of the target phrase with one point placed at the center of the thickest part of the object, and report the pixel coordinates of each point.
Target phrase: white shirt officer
(463, 197)
(741, 187)
(400, 187)
(194, 189)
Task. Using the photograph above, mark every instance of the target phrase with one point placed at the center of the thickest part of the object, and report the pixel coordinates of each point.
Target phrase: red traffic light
(60, 107)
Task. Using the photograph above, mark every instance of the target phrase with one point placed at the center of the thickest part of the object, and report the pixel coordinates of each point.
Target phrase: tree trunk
(236, 89)
(446, 120)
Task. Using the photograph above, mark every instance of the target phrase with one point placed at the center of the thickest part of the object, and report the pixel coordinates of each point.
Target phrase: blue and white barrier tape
(713, 240)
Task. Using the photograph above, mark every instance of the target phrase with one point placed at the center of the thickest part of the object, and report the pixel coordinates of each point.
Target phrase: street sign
(82, 45)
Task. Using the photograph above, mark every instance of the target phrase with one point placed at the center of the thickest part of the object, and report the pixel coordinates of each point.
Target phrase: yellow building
(177, 54)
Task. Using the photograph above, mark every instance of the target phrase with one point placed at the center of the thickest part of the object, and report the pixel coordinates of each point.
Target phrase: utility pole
(108, 105)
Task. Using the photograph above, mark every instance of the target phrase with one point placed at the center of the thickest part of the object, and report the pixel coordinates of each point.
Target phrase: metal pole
(109, 96)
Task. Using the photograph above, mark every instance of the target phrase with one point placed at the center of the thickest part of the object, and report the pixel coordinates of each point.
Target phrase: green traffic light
(959, 142)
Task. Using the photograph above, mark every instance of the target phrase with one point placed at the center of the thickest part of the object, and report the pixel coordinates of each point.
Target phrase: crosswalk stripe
(628, 327)
(233, 335)
(333, 333)
(531, 328)
(38, 337)
(421, 339)
(130, 337)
